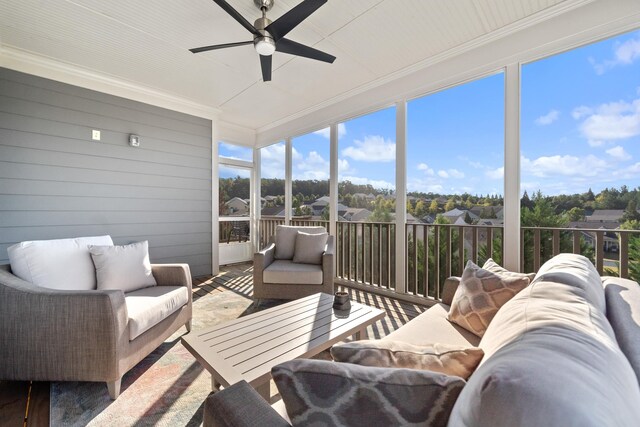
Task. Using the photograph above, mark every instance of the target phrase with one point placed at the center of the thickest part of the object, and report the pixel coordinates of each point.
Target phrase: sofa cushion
(286, 239)
(122, 267)
(480, 295)
(58, 264)
(551, 358)
(323, 393)
(290, 273)
(433, 326)
(149, 306)
(460, 361)
(309, 248)
(623, 311)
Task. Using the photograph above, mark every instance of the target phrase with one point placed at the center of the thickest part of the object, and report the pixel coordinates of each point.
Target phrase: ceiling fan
(268, 36)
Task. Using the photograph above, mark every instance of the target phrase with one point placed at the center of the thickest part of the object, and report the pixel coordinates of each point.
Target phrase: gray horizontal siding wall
(55, 182)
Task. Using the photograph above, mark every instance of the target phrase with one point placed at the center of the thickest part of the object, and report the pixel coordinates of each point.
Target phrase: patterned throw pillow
(480, 295)
(444, 358)
(493, 267)
(322, 393)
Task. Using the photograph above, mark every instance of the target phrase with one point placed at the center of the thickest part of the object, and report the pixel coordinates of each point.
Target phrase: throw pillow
(444, 358)
(57, 264)
(123, 267)
(480, 295)
(309, 248)
(323, 393)
(494, 267)
(286, 239)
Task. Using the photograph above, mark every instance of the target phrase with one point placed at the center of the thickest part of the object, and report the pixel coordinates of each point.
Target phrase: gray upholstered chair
(55, 335)
(278, 273)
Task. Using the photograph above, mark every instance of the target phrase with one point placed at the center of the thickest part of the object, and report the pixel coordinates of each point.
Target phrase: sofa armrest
(172, 274)
(239, 406)
(449, 289)
(327, 257)
(264, 258)
(49, 334)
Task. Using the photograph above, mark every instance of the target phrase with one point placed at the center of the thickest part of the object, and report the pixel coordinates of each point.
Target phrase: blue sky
(580, 129)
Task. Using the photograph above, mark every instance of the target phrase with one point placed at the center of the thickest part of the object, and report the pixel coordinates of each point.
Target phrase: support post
(401, 195)
(511, 233)
(215, 198)
(333, 186)
(288, 197)
(256, 206)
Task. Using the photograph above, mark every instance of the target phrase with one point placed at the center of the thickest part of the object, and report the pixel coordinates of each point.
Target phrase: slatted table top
(248, 347)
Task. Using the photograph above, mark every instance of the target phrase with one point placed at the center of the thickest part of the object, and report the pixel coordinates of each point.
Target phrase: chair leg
(114, 388)
(188, 326)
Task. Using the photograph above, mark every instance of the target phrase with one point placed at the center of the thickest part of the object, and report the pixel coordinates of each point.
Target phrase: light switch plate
(95, 135)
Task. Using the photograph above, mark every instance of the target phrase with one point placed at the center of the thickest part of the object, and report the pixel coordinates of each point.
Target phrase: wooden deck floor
(27, 404)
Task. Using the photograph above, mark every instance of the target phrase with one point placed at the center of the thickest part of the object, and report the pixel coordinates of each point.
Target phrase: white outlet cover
(95, 135)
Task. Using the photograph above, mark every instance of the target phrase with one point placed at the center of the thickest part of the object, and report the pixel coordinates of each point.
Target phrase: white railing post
(333, 187)
(511, 231)
(256, 177)
(215, 199)
(401, 195)
(288, 173)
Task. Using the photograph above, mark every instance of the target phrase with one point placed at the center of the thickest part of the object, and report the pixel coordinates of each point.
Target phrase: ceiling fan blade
(298, 49)
(236, 15)
(287, 22)
(219, 46)
(265, 63)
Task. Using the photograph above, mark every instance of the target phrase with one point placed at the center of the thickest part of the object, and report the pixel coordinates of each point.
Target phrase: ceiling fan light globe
(265, 46)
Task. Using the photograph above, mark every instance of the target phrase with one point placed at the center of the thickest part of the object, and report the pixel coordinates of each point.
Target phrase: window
(310, 175)
(455, 182)
(580, 142)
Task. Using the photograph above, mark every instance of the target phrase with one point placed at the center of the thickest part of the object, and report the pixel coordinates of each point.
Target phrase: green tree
(421, 209)
(575, 214)
(451, 204)
(433, 207)
(631, 212)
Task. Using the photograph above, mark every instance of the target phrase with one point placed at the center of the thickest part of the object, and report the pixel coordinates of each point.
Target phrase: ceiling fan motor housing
(265, 44)
(266, 4)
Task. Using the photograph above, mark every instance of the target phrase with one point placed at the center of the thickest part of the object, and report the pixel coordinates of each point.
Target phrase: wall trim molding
(49, 68)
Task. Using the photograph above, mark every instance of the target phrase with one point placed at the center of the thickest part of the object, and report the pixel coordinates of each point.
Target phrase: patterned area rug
(167, 388)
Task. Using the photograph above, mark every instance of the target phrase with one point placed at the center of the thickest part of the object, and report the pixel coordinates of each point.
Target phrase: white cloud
(548, 118)
(451, 173)
(566, 165)
(272, 161)
(326, 132)
(427, 170)
(373, 148)
(376, 183)
(619, 153)
(623, 54)
(581, 111)
(612, 121)
(497, 173)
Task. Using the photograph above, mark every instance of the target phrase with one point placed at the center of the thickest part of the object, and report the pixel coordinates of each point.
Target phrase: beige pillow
(493, 267)
(324, 393)
(480, 295)
(309, 248)
(123, 267)
(444, 358)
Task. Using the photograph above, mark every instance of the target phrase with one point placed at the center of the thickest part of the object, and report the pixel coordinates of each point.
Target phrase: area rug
(167, 388)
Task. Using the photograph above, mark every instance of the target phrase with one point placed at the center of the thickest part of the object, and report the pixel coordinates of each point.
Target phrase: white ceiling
(145, 43)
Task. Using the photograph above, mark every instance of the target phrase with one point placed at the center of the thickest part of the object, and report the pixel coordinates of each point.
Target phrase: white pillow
(57, 264)
(123, 267)
(309, 248)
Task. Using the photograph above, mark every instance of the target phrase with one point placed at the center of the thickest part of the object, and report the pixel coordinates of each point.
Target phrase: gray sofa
(55, 335)
(279, 277)
(565, 351)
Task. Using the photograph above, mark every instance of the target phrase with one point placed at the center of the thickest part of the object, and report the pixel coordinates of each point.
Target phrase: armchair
(80, 335)
(277, 276)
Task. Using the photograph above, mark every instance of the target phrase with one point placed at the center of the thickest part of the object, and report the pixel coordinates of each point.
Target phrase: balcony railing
(366, 251)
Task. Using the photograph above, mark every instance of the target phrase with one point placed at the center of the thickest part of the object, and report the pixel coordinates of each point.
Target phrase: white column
(288, 164)
(333, 187)
(256, 175)
(511, 245)
(401, 194)
(215, 198)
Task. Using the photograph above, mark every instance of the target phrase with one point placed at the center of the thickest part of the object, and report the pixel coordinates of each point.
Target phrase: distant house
(482, 211)
(275, 211)
(610, 241)
(237, 206)
(454, 214)
(605, 215)
(356, 214)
